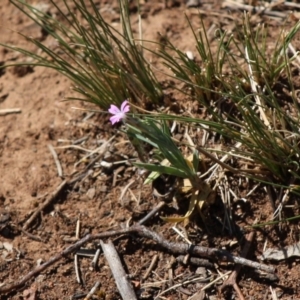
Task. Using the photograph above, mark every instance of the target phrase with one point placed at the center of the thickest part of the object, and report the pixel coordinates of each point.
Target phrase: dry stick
(92, 162)
(30, 235)
(258, 9)
(293, 5)
(85, 173)
(92, 291)
(142, 231)
(78, 225)
(76, 262)
(95, 259)
(7, 111)
(116, 173)
(52, 197)
(45, 204)
(81, 177)
(183, 248)
(59, 256)
(151, 267)
(232, 278)
(212, 13)
(155, 210)
(123, 284)
(80, 140)
(200, 262)
(58, 165)
(100, 151)
(77, 271)
(228, 167)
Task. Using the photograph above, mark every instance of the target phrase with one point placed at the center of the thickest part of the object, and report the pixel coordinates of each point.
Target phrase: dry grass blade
(256, 91)
(58, 165)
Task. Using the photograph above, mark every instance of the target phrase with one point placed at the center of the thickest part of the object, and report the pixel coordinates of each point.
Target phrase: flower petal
(118, 114)
(125, 107)
(115, 119)
(114, 109)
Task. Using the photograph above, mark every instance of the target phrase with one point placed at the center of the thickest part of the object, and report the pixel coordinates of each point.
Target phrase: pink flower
(118, 114)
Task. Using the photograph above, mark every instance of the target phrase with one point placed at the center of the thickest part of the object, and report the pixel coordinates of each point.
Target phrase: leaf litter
(106, 212)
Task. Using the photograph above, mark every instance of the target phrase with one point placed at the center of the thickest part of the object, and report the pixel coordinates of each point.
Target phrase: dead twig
(200, 262)
(45, 204)
(53, 196)
(116, 173)
(30, 235)
(4, 112)
(142, 231)
(58, 165)
(78, 225)
(81, 177)
(231, 281)
(123, 284)
(80, 140)
(185, 282)
(95, 259)
(92, 291)
(77, 270)
(100, 151)
(234, 5)
(152, 213)
(151, 266)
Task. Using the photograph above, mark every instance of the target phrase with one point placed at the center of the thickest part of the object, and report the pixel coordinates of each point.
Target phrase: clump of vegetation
(255, 136)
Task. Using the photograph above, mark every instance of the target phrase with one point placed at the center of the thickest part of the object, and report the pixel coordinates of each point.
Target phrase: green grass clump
(105, 66)
(235, 87)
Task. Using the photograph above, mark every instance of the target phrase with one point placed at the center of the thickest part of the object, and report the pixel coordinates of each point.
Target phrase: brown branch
(183, 248)
(64, 253)
(258, 9)
(123, 284)
(231, 281)
(142, 231)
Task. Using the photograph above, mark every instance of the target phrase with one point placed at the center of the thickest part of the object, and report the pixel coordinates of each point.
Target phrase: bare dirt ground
(28, 177)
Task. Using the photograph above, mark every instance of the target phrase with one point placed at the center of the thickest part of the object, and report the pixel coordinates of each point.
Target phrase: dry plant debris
(101, 185)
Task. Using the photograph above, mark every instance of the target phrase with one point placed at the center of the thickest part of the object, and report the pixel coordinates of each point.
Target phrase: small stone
(8, 246)
(40, 278)
(91, 193)
(192, 3)
(103, 189)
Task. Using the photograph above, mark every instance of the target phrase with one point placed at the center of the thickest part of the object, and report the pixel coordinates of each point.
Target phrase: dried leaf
(8, 246)
(280, 254)
(193, 203)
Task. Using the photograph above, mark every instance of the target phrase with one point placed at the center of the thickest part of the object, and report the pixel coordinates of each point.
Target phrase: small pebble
(193, 3)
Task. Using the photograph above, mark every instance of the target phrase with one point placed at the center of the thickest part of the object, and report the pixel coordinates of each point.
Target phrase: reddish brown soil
(28, 176)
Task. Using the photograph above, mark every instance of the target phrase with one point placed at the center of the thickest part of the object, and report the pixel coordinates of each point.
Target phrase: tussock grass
(106, 66)
(236, 85)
